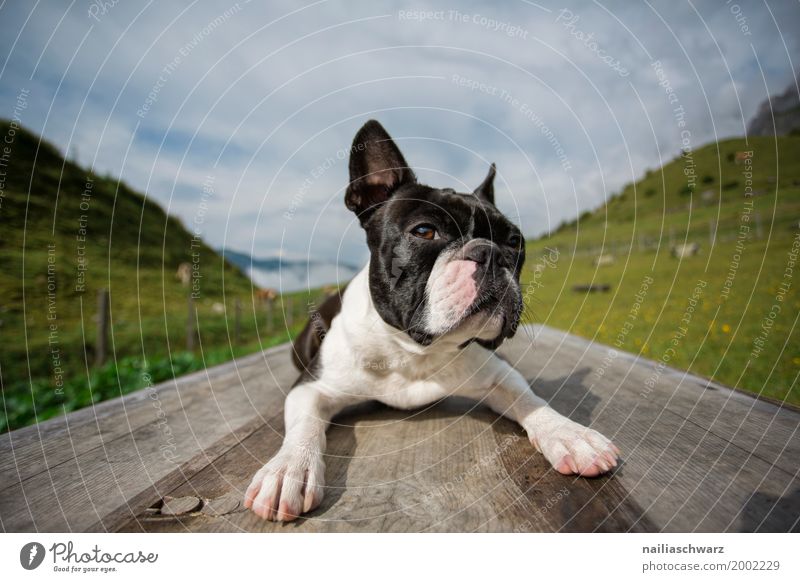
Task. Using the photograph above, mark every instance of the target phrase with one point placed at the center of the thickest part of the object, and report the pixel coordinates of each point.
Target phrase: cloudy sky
(258, 101)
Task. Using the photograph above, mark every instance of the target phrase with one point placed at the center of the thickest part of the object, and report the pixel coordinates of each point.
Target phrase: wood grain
(697, 456)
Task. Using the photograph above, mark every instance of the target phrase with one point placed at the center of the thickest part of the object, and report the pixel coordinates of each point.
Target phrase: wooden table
(697, 456)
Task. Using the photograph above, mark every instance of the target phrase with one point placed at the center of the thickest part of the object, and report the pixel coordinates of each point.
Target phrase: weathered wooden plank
(574, 504)
(385, 472)
(141, 497)
(768, 431)
(38, 448)
(454, 467)
(688, 479)
(695, 458)
(685, 475)
(79, 493)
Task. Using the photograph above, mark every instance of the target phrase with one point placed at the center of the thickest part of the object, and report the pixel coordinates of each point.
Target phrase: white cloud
(272, 102)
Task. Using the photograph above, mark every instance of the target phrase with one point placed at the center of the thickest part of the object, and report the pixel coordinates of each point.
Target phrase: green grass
(115, 378)
(133, 249)
(637, 226)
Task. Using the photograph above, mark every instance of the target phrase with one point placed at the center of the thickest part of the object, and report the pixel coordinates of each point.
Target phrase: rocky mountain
(781, 110)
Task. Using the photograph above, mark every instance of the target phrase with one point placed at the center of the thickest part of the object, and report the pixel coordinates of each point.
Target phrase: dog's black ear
(377, 169)
(486, 189)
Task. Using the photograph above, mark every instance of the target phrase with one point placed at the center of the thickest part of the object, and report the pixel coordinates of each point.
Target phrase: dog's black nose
(481, 254)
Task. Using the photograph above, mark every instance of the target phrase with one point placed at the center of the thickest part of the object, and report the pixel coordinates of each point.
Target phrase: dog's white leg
(570, 447)
(292, 482)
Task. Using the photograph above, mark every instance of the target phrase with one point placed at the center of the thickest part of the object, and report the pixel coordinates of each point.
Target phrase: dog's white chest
(402, 393)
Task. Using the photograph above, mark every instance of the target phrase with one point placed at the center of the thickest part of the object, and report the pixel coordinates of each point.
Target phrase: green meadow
(729, 312)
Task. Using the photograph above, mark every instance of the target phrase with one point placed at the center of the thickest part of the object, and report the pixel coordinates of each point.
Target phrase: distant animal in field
(266, 295)
(708, 195)
(184, 274)
(603, 260)
(685, 251)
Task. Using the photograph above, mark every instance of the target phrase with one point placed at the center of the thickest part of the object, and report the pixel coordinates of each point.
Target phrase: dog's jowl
(418, 323)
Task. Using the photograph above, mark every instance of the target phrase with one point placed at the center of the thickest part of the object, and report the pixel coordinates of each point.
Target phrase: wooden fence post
(190, 325)
(288, 308)
(101, 345)
(237, 311)
(270, 310)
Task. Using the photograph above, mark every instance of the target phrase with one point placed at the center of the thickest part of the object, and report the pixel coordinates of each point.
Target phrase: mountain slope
(713, 313)
(245, 261)
(778, 115)
(65, 233)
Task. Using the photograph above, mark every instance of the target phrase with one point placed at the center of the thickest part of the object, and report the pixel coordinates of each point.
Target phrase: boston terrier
(440, 293)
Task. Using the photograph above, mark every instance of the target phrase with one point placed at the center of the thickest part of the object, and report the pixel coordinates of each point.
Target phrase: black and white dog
(419, 323)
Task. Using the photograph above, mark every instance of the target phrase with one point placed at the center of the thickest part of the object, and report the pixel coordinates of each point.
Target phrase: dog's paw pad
(286, 487)
(576, 450)
(597, 466)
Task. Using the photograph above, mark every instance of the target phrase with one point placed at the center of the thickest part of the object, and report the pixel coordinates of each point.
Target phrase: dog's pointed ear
(377, 169)
(486, 189)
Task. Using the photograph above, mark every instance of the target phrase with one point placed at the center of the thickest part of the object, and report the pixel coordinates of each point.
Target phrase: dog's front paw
(291, 483)
(572, 448)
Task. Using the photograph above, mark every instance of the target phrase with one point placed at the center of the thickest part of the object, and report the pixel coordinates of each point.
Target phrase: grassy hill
(66, 233)
(731, 311)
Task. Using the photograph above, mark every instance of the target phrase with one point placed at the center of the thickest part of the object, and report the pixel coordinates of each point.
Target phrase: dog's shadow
(567, 395)
(768, 513)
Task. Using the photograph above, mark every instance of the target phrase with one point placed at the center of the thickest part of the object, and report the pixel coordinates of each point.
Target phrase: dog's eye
(515, 240)
(426, 231)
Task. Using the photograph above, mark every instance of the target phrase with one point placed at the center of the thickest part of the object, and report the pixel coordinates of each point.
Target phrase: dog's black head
(442, 263)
